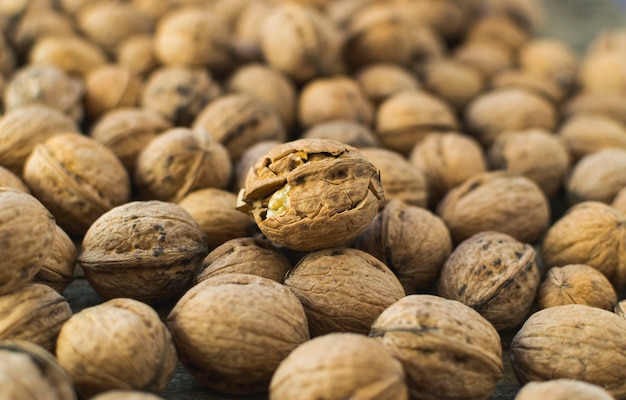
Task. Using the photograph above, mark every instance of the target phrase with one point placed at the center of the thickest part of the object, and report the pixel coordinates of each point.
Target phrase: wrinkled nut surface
(245, 255)
(119, 344)
(58, 268)
(597, 177)
(448, 350)
(550, 58)
(382, 80)
(311, 194)
(493, 274)
(72, 54)
(589, 233)
(572, 342)
(454, 82)
(223, 342)
(411, 241)
(137, 53)
(487, 57)
(247, 161)
(562, 389)
(498, 201)
(108, 87)
(343, 289)
(26, 368)
(520, 79)
(587, 133)
(27, 230)
(339, 366)
(150, 251)
(576, 284)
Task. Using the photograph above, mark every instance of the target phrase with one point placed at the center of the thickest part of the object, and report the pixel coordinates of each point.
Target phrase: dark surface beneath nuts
(576, 22)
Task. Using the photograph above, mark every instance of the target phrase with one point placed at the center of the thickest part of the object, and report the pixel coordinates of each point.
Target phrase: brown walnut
(382, 80)
(73, 54)
(562, 389)
(597, 177)
(108, 87)
(584, 134)
(58, 268)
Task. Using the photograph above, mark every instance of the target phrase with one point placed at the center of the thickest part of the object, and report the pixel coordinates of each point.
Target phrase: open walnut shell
(312, 193)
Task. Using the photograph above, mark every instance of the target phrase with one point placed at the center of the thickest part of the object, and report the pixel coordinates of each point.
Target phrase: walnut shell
(245, 255)
(494, 274)
(619, 202)
(602, 72)
(528, 14)
(500, 29)
(584, 134)
(520, 79)
(248, 159)
(9, 179)
(77, 179)
(221, 339)
(573, 342)
(612, 105)
(137, 54)
(150, 251)
(449, 18)
(109, 87)
(125, 395)
(239, 121)
(562, 389)
(488, 58)
(248, 29)
(343, 289)
(452, 81)
(26, 369)
(72, 54)
(576, 284)
(119, 344)
(33, 313)
(550, 58)
(598, 176)
(58, 268)
(499, 201)
(344, 131)
(589, 233)
(411, 241)
(448, 350)
(382, 80)
(310, 194)
(38, 23)
(180, 161)
(27, 231)
(339, 366)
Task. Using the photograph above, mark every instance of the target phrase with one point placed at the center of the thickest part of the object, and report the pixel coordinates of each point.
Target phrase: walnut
(405, 119)
(119, 344)
(150, 251)
(612, 105)
(245, 255)
(534, 153)
(180, 161)
(499, 29)
(589, 233)
(602, 72)
(9, 179)
(447, 160)
(248, 159)
(550, 58)
(77, 179)
(448, 350)
(382, 80)
(27, 231)
(223, 342)
(619, 202)
(26, 369)
(452, 81)
(400, 179)
(572, 341)
(587, 133)
(310, 194)
(344, 131)
(24, 128)
(488, 58)
(597, 176)
(38, 23)
(214, 210)
(499, 201)
(58, 268)
(248, 29)
(137, 54)
(528, 14)
(339, 366)
(494, 274)
(620, 308)
(33, 313)
(179, 93)
(125, 395)
(72, 54)
(576, 284)
(520, 79)
(411, 241)
(343, 289)
(562, 389)
(108, 87)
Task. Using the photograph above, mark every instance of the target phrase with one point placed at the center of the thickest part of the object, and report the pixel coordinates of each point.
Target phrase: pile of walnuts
(323, 199)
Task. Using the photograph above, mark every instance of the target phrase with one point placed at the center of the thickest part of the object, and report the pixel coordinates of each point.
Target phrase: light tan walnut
(71, 53)
(562, 389)
(382, 80)
(584, 134)
(109, 87)
(10, 180)
(452, 81)
(597, 177)
(58, 268)
(550, 58)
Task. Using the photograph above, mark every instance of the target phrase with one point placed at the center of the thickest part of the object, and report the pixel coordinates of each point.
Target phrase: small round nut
(603, 72)
(137, 54)
(9, 179)
(382, 80)
(500, 29)
(72, 54)
(58, 268)
(38, 23)
(452, 81)
(598, 176)
(339, 366)
(584, 134)
(612, 105)
(521, 79)
(119, 344)
(488, 58)
(562, 389)
(550, 58)
(348, 132)
(108, 87)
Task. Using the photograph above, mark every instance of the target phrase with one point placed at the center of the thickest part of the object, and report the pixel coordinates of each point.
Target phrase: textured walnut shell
(119, 344)
(77, 179)
(33, 313)
(125, 395)
(400, 179)
(447, 160)
(339, 366)
(137, 54)
(576, 284)
(127, 131)
(248, 159)
(179, 93)
(245, 255)
(72, 54)
(24, 128)
(602, 72)
(449, 19)
(528, 14)
(58, 268)
(500, 29)
(452, 81)
(382, 80)
(612, 105)
(488, 58)
(343, 289)
(180, 161)
(520, 79)
(498, 201)
(26, 369)
(9, 179)
(411, 241)
(550, 58)
(214, 210)
(495, 275)
(27, 232)
(348, 132)
(620, 308)
(223, 342)
(572, 342)
(108, 87)
(448, 350)
(238, 121)
(311, 194)
(562, 389)
(405, 119)
(248, 28)
(150, 251)
(509, 109)
(38, 23)
(589, 233)
(534, 153)
(587, 133)
(598, 176)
